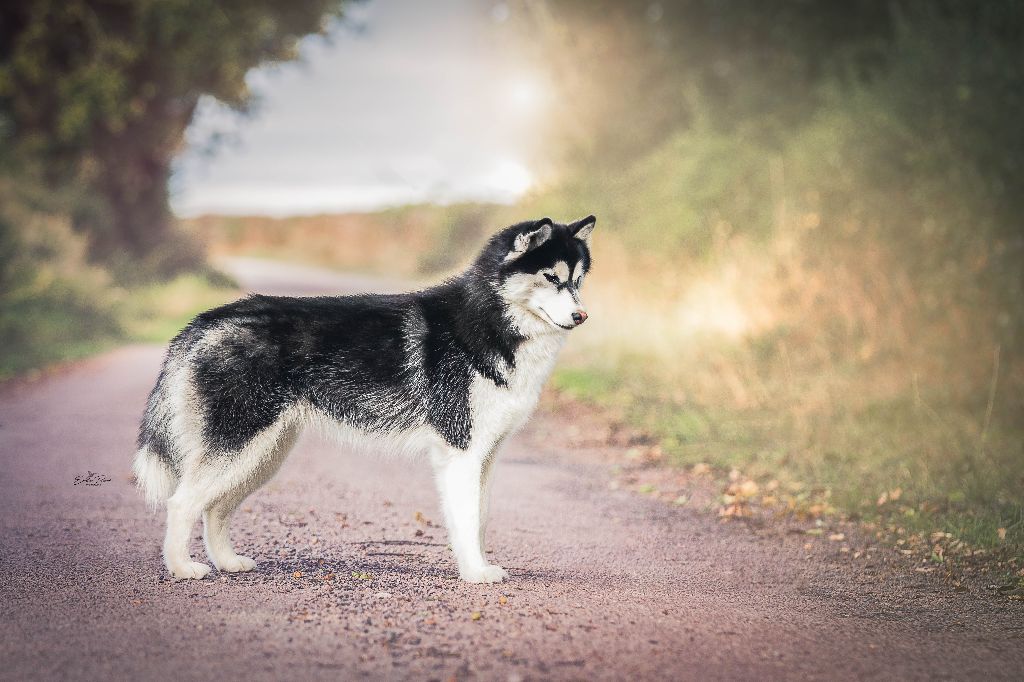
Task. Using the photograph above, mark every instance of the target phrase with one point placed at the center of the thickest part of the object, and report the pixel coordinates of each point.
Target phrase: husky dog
(448, 372)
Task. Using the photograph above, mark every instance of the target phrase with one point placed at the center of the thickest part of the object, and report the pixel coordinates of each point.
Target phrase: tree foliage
(891, 122)
(95, 95)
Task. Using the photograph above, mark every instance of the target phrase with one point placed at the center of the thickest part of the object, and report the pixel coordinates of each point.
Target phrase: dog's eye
(551, 278)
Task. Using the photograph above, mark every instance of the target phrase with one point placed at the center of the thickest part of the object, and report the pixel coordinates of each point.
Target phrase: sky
(404, 101)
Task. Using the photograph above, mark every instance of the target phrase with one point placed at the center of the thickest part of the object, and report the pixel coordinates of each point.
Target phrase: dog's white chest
(500, 410)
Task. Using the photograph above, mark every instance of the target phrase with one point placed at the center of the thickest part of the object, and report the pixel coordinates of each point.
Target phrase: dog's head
(539, 268)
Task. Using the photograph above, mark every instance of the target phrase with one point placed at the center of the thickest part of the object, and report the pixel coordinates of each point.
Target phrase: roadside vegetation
(56, 306)
(405, 241)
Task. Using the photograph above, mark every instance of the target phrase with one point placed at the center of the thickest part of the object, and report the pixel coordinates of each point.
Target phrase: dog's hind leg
(183, 510)
(216, 484)
(216, 520)
(264, 458)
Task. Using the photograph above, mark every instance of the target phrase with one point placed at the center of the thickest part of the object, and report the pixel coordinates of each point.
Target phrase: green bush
(53, 306)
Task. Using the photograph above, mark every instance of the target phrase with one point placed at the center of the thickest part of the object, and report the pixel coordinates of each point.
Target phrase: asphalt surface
(354, 580)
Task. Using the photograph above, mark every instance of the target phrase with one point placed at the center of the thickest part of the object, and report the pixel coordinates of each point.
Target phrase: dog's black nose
(579, 317)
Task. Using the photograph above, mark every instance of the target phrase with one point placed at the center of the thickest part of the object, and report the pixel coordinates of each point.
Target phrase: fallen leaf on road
(653, 453)
(476, 615)
(420, 518)
(837, 537)
(732, 510)
(297, 574)
(1001, 533)
(816, 510)
(503, 599)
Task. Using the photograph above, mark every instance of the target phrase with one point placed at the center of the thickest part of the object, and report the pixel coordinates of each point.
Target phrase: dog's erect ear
(582, 229)
(530, 239)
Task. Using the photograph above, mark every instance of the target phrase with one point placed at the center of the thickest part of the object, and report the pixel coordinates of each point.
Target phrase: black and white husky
(448, 371)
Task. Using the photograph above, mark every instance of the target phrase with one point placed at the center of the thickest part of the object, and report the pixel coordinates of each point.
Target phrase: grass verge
(156, 313)
(49, 328)
(920, 477)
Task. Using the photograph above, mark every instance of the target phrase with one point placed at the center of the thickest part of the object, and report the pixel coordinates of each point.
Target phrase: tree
(96, 94)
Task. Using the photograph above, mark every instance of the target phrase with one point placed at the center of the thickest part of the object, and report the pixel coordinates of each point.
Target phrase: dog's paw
(487, 574)
(190, 570)
(235, 564)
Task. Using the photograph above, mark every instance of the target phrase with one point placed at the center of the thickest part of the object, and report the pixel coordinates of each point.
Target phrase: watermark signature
(92, 478)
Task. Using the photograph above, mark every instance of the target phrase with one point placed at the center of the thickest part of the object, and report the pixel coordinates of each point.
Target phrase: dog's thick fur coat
(448, 371)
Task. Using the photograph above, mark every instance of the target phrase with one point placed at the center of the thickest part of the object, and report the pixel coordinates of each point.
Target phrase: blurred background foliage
(95, 97)
(810, 257)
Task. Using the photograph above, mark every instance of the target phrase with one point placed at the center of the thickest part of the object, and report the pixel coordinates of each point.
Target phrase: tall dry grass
(814, 362)
(406, 241)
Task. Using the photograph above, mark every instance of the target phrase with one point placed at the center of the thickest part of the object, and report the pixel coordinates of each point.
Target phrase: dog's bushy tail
(154, 476)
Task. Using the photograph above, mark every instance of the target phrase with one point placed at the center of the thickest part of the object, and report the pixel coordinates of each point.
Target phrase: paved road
(354, 579)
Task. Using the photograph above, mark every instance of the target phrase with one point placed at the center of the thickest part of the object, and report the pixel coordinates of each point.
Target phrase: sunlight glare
(525, 95)
(510, 179)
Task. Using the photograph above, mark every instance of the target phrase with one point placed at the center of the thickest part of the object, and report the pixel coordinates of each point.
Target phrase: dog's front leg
(486, 479)
(459, 481)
